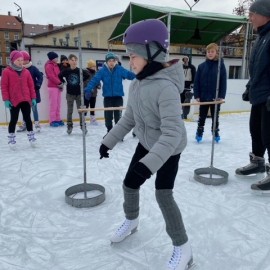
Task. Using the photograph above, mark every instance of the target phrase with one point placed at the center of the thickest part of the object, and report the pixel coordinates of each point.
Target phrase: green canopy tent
(181, 23)
(186, 27)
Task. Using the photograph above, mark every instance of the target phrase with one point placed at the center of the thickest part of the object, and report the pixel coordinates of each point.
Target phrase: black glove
(267, 104)
(141, 170)
(103, 151)
(245, 95)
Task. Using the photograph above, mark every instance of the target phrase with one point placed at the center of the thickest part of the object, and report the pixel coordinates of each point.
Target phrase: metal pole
(20, 9)
(244, 59)
(82, 114)
(215, 111)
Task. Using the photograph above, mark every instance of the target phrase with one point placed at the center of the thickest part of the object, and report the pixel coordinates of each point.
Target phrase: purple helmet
(144, 32)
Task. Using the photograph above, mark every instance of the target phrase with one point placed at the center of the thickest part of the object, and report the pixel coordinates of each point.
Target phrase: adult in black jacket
(189, 72)
(258, 89)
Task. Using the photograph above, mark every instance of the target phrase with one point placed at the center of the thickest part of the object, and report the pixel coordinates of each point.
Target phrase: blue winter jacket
(259, 67)
(111, 79)
(37, 79)
(205, 84)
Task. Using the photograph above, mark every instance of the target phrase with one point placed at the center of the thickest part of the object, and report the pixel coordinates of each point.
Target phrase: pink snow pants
(54, 103)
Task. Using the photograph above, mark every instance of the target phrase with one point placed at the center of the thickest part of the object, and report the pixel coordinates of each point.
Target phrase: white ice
(228, 226)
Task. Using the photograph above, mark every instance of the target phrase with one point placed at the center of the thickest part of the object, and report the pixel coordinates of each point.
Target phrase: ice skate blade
(13, 147)
(33, 144)
(255, 176)
(131, 232)
(191, 266)
(261, 192)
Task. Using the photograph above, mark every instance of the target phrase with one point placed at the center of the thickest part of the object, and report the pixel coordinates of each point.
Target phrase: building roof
(72, 26)
(36, 29)
(8, 22)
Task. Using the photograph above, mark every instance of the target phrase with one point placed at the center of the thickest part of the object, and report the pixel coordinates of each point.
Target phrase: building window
(7, 47)
(7, 60)
(16, 36)
(1, 62)
(235, 72)
(6, 36)
(33, 27)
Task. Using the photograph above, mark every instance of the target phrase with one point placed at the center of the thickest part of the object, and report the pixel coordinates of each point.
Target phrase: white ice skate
(37, 126)
(31, 138)
(93, 120)
(181, 258)
(127, 228)
(12, 141)
(22, 128)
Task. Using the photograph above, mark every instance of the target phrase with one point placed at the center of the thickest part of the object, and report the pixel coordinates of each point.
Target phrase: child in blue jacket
(111, 75)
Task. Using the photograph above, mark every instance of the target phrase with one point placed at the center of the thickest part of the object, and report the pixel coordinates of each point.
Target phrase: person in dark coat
(190, 73)
(258, 93)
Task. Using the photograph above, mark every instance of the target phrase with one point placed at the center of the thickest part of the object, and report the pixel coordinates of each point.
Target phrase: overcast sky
(62, 12)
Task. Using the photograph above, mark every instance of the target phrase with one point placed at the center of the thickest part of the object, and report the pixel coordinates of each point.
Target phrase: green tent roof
(181, 23)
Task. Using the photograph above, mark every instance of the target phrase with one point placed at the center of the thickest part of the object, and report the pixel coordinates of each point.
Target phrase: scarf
(16, 68)
(150, 69)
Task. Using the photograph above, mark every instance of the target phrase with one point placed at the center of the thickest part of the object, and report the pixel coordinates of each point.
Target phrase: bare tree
(243, 7)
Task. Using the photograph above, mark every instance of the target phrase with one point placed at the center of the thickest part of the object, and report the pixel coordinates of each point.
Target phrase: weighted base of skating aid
(81, 192)
(211, 176)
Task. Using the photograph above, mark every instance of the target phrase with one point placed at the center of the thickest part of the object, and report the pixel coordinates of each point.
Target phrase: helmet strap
(160, 49)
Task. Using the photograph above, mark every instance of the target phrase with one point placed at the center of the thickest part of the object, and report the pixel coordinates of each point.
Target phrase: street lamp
(20, 9)
(191, 6)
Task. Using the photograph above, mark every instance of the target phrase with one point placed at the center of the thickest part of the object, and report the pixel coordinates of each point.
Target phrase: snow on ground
(228, 226)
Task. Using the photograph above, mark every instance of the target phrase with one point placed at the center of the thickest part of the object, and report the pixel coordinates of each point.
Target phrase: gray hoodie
(154, 111)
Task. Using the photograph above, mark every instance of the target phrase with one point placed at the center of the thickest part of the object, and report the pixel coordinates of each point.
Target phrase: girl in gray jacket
(154, 111)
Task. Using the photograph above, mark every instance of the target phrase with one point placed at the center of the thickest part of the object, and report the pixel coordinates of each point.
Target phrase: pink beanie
(26, 56)
(14, 55)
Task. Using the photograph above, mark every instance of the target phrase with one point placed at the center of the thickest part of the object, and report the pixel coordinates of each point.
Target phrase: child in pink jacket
(18, 93)
(55, 88)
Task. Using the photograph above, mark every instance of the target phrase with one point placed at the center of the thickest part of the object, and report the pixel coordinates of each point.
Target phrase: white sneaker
(31, 138)
(181, 258)
(12, 140)
(37, 126)
(127, 228)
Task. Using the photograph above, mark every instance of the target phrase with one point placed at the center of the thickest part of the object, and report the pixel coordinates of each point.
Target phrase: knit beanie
(26, 56)
(109, 56)
(261, 7)
(52, 55)
(14, 55)
(140, 50)
(63, 57)
(91, 64)
(185, 57)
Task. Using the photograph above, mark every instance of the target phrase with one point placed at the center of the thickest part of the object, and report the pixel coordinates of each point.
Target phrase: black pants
(165, 176)
(259, 126)
(110, 115)
(14, 115)
(203, 111)
(92, 103)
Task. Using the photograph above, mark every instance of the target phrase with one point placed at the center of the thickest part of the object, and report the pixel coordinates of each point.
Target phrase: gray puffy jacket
(154, 111)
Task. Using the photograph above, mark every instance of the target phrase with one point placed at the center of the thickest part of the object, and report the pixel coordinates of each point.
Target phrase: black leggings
(14, 115)
(92, 103)
(110, 115)
(165, 176)
(259, 126)
(203, 111)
